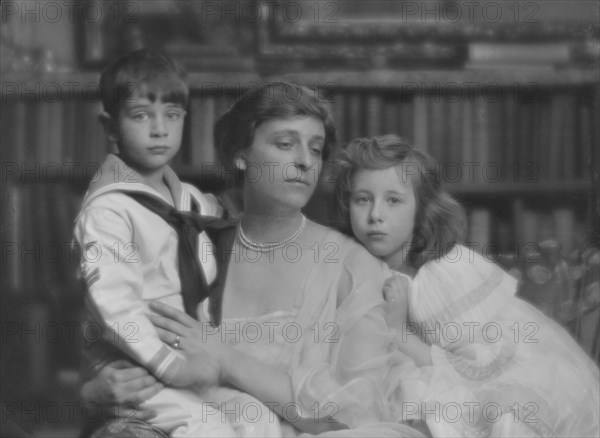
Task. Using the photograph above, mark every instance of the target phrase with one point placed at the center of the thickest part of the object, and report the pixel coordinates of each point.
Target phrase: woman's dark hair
(234, 131)
(143, 73)
(440, 220)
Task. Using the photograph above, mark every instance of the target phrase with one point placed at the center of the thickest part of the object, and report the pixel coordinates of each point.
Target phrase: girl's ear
(110, 126)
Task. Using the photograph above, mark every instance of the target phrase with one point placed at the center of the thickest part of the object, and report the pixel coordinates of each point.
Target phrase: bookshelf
(536, 131)
(503, 135)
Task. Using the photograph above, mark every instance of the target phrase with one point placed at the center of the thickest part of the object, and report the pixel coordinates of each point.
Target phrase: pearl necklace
(266, 247)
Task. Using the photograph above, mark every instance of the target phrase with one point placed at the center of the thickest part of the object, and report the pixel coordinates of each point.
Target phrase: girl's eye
(175, 115)
(317, 151)
(394, 201)
(284, 144)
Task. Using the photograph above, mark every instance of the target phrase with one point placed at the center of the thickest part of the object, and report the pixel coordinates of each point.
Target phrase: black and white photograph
(280, 218)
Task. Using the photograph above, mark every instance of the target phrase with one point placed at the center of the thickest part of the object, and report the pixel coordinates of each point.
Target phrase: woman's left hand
(199, 342)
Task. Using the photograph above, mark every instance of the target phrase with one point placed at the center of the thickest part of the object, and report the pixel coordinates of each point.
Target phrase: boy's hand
(120, 388)
(395, 293)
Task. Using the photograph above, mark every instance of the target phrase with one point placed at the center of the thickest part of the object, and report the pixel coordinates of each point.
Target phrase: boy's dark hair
(439, 220)
(234, 131)
(143, 73)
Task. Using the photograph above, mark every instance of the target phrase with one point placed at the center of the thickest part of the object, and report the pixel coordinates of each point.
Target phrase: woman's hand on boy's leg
(199, 343)
(395, 293)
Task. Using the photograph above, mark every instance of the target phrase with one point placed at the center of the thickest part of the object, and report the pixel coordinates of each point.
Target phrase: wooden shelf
(85, 83)
(428, 79)
(69, 84)
(520, 189)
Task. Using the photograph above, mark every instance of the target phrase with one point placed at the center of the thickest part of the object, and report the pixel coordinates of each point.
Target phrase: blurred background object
(505, 94)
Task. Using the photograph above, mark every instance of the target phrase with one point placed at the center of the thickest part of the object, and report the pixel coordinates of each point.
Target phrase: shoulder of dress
(209, 203)
(459, 270)
(458, 257)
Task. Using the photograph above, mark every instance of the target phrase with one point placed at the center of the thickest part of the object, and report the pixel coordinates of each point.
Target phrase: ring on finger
(176, 342)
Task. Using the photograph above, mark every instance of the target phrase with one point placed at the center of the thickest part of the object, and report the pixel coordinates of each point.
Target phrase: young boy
(135, 244)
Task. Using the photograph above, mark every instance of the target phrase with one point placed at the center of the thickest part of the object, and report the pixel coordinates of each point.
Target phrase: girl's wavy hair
(439, 221)
(234, 131)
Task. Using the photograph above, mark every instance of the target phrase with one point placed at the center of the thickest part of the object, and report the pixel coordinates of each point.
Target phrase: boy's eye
(140, 116)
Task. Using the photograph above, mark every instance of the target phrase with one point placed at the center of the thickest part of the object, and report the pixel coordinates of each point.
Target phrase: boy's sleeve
(112, 273)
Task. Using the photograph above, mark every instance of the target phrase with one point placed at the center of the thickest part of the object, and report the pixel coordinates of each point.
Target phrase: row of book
(475, 138)
(65, 133)
(517, 229)
(38, 224)
(505, 135)
(39, 258)
(500, 138)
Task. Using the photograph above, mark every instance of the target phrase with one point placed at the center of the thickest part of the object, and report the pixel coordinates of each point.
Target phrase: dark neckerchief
(188, 225)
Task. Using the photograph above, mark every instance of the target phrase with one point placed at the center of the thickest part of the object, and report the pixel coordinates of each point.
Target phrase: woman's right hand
(119, 389)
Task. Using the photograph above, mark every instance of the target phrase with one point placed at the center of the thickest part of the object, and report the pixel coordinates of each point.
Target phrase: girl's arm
(411, 344)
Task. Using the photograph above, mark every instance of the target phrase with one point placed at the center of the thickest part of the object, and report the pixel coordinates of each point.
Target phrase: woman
(303, 324)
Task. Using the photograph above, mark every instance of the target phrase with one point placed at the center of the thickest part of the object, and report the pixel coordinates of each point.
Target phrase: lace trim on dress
(453, 311)
(469, 368)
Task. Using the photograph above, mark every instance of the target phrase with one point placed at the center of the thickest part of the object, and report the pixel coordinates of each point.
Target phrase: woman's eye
(284, 144)
(361, 200)
(317, 151)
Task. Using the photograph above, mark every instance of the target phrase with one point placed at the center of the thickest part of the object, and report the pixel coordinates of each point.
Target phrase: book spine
(339, 118)
(374, 116)
(202, 119)
(480, 228)
(355, 116)
(467, 155)
(420, 123)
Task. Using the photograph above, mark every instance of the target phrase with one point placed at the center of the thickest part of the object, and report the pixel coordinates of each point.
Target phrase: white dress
(340, 356)
(500, 366)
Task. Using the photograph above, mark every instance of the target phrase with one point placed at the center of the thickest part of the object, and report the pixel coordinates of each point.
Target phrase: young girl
(495, 365)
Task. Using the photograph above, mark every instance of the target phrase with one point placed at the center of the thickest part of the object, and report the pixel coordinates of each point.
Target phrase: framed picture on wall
(317, 34)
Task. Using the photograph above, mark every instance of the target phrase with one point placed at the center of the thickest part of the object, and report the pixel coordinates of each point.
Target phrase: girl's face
(283, 162)
(382, 212)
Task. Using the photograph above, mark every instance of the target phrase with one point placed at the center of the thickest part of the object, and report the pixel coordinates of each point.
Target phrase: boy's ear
(110, 126)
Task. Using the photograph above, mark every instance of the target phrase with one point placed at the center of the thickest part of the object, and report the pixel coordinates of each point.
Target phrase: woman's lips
(298, 181)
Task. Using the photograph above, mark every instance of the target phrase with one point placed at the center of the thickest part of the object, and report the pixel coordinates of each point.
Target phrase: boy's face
(382, 212)
(149, 132)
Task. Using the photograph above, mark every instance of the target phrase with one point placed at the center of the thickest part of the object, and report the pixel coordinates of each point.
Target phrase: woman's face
(283, 162)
